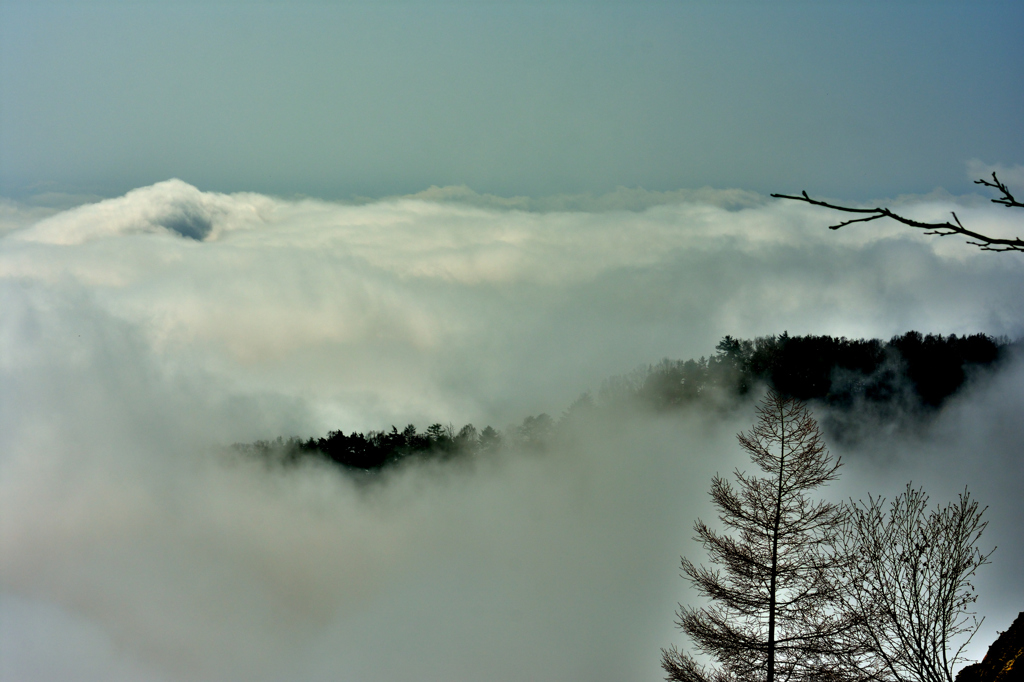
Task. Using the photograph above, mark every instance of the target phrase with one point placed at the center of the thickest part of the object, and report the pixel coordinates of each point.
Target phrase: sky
(227, 222)
(334, 100)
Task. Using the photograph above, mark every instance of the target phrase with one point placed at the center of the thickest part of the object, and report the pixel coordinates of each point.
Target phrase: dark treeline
(861, 382)
(922, 370)
(376, 450)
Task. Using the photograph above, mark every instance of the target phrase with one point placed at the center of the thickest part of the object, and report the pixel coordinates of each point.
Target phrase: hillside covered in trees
(861, 384)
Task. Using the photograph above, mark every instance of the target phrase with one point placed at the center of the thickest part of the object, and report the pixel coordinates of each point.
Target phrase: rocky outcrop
(1004, 661)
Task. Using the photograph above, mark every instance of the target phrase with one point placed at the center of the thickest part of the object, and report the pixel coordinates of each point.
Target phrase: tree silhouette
(909, 581)
(944, 229)
(775, 605)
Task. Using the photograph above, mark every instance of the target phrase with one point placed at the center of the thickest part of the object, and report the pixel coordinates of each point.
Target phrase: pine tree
(774, 605)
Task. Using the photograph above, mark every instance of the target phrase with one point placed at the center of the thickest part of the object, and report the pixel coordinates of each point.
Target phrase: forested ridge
(859, 382)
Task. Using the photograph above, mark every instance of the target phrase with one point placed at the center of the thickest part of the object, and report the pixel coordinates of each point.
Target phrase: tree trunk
(772, 602)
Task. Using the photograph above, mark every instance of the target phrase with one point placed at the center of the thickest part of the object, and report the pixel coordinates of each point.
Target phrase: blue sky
(850, 99)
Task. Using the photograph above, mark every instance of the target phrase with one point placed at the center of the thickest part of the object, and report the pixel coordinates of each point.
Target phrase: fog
(140, 336)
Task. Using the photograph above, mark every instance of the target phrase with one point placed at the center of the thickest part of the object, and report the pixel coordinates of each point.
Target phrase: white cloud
(170, 207)
(406, 308)
(129, 355)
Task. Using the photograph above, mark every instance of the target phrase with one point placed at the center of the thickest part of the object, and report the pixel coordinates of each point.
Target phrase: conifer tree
(774, 611)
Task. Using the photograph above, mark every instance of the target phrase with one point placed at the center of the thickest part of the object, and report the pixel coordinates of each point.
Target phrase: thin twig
(982, 241)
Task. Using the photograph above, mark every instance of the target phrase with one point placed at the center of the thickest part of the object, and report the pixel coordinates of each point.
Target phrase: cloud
(1013, 175)
(170, 207)
(15, 216)
(130, 355)
(620, 199)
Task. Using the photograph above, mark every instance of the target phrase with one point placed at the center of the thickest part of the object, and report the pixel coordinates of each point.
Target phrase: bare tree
(984, 242)
(910, 583)
(773, 613)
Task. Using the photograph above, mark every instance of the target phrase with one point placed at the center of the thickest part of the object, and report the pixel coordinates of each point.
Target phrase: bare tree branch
(1007, 198)
(910, 579)
(982, 241)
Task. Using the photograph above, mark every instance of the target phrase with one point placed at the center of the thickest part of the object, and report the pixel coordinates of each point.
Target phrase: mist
(143, 335)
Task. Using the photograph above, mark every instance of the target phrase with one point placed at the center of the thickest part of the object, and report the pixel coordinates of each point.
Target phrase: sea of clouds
(141, 335)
